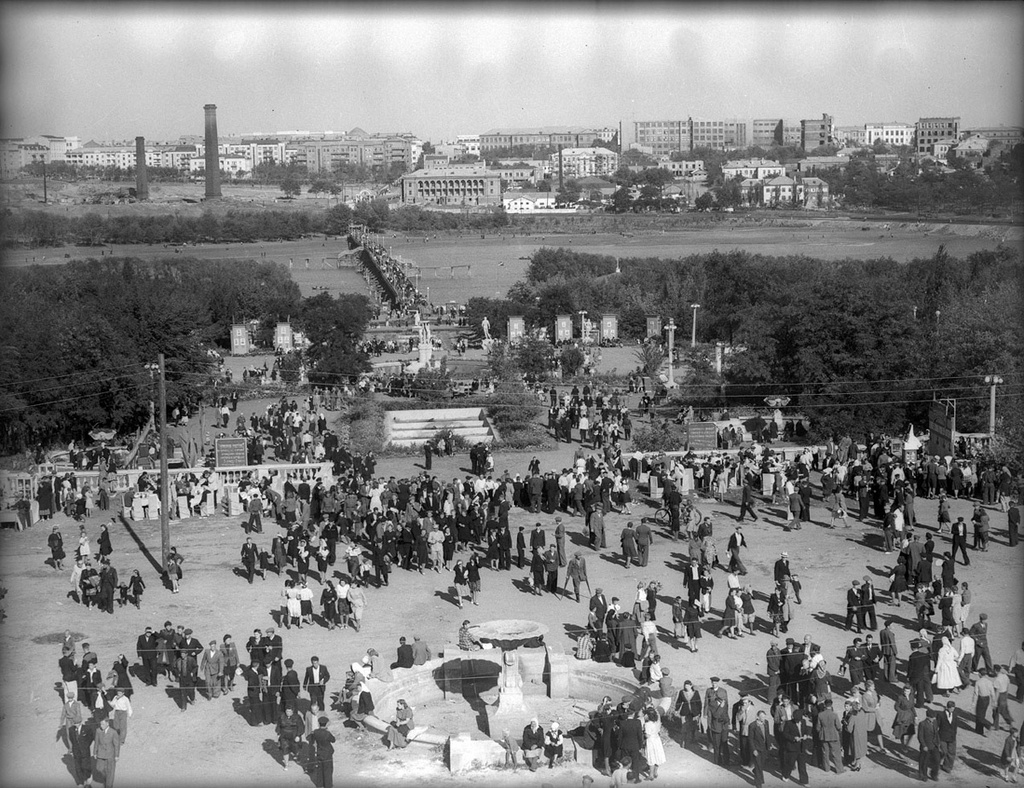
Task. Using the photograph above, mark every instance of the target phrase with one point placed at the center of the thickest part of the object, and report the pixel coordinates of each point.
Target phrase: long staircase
(413, 427)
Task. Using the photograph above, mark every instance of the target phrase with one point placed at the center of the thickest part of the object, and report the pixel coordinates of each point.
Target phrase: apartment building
(756, 169)
(928, 131)
(1007, 135)
(662, 137)
(585, 162)
(552, 136)
(717, 134)
(889, 133)
(816, 132)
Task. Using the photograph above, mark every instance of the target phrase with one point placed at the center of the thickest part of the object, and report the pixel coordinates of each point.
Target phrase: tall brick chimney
(141, 174)
(212, 153)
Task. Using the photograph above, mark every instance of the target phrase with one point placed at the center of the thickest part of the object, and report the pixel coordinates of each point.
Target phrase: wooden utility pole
(165, 496)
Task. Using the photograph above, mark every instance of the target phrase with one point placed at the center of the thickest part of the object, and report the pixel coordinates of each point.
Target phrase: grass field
(497, 261)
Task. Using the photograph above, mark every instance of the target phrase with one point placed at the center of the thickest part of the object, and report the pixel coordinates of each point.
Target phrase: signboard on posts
(231, 452)
(702, 436)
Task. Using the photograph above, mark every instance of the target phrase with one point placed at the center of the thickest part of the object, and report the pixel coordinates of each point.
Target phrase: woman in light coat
(947, 677)
(357, 601)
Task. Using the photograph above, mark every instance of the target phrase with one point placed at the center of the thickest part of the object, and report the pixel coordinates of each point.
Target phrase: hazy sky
(116, 71)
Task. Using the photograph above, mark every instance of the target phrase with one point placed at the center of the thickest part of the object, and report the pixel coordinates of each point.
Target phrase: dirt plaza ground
(212, 744)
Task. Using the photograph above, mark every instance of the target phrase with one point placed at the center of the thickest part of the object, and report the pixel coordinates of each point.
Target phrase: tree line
(77, 338)
(807, 328)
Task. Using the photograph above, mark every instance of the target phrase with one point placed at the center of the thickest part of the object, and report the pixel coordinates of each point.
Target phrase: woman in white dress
(947, 677)
(293, 606)
(653, 750)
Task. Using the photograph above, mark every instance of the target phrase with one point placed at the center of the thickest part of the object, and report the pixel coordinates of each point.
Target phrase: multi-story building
(585, 162)
(230, 164)
(470, 143)
(817, 132)
(928, 131)
(1007, 135)
(815, 163)
(468, 185)
(815, 193)
(545, 136)
(329, 155)
(515, 172)
(681, 168)
(541, 167)
(529, 202)
(766, 132)
(775, 131)
(662, 137)
(756, 169)
(894, 133)
(717, 134)
(850, 135)
(782, 190)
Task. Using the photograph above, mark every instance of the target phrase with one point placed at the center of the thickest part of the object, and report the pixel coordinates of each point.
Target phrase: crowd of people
(336, 537)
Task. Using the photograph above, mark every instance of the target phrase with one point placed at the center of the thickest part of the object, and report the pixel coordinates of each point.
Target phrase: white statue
(485, 324)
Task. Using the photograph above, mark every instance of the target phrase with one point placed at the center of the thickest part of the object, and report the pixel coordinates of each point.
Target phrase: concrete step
(411, 427)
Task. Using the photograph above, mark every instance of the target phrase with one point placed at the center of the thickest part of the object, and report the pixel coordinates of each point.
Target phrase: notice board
(702, 436)
(231, 452)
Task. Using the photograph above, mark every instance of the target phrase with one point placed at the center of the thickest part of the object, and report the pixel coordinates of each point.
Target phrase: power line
(77, 383)
(73, 374)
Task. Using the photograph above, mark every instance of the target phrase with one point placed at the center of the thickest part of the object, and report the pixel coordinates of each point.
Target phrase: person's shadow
(448, 595)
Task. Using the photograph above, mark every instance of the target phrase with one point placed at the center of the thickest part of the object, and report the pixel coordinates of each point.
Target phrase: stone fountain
(509, 635)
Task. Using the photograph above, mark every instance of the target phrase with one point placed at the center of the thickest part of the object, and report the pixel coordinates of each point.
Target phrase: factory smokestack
(212, 153)
(141, 174)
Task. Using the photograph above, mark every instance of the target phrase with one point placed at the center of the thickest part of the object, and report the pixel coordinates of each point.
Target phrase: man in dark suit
(273, 646)
(289, 686)
(737, 541)
(782, 568)
(537, 538)
(853, 608)
(716, 710)
(644, 537)
(145, 647)
(598, 610)
(250, 673)
(867, 604)
(747, 500)
(960, 540)
(887, 643)
(405, 655)
(759, 745)
(250, 556)
(535, 486)
(315, 682)
(947, 736)
(631, 741)
(323, 755)
(919, 674)
(928, 755)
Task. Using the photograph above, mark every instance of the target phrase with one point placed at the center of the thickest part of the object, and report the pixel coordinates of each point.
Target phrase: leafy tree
(571, 359)
(569, 193)
(534, 357)
(650, 357)
(291, 186)
(704, 202)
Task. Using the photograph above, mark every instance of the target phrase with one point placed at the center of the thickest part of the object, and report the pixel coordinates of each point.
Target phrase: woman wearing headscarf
(947, 677)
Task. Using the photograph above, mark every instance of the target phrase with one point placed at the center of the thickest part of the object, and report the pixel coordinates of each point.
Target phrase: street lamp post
(993, 381)
(671, 328)
(693, 334)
